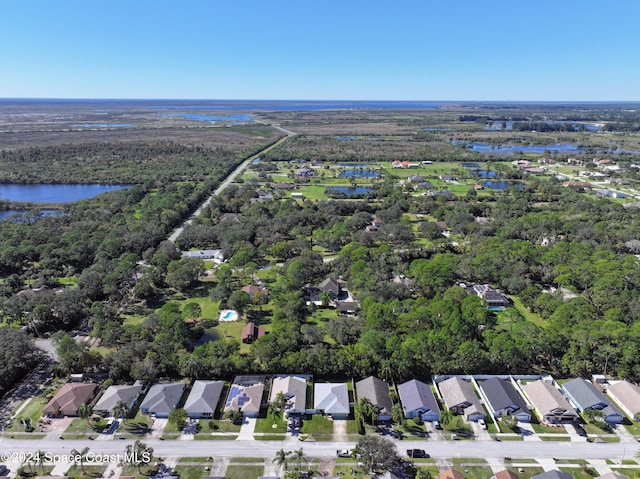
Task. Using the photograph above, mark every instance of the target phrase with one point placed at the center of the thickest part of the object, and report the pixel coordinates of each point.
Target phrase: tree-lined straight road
(228, 180)
(267, 449)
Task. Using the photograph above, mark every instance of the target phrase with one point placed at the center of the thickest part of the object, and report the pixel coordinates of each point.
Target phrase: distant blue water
(359, 174)
(501, 185)
(509, 149)
(353, 165)
(471, 165)
(436, 129)
(232, 105)
(347, 138)
(349, 191)
(211, 118)
(53, 193)
(497, 126)
(484, 173)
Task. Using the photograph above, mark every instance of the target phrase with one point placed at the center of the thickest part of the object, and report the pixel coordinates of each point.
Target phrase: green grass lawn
(317, 426)
(525, 472)
(265, 425)
(76, 472)
(526, 314)
(192, 471)
(243, 472)
(539, 428)
(81, 426)
(583, 472)
(33, 411)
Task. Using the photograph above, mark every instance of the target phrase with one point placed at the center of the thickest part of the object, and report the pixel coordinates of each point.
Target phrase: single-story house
(377, 392)
(551, 405)
(331, 399)
(553, 474)
(493, 297)
(584, 395)
(162, 398)
(627, 395)
(506, 474)
(332, 286)
(68, 399)
(252, 290)
(251, 333)
(451, 474)
(418, 400)
(245, 395)
(294, 389)
(461, 399)
(215, 254)
(504, 400)
(203, 399)
(126, 394)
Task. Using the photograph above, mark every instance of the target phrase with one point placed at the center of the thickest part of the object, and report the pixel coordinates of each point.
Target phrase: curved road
(229, 179)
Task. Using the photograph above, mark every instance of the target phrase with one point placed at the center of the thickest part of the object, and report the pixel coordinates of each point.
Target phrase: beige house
(460, 397)
(550, 404)
(627, 396)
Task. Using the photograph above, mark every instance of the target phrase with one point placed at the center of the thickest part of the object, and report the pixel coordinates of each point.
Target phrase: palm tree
(368, 411)
(193, 366)
(446, 416)
(84, 412)
(282, 459)
(397, 413)
(299, 456)
(120, 411)
(80, 456)
(39, 457)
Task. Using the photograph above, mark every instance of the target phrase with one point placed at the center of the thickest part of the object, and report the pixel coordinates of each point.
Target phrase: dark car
(579, 429)
(417, 453)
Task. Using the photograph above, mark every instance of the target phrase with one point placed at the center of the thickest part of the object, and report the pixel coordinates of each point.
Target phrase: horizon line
(308, 100)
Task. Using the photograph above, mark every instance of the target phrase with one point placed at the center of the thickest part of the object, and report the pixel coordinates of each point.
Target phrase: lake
(58, 193)
(510, 149)
(475, 166)
(243, 117)
(103, 125)
(501, 185)
(359, 174)
(353, 165)
(351, 191)
(484, 173)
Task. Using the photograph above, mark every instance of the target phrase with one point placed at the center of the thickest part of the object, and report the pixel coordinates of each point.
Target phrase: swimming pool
(228, 315)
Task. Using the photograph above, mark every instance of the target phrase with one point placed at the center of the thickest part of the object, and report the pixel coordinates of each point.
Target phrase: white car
(344, 453)
(482, 424)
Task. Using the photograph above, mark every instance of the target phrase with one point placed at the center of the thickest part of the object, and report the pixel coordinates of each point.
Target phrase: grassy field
(243, 472)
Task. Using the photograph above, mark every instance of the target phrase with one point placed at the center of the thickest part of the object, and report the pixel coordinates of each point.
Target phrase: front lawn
(243, 472)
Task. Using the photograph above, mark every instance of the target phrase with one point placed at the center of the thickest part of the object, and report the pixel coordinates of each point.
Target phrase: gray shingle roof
(162, 398)
(125, 393)
(416, 395)
(502, 395)
(204, 397)
(376, 391)
(588, 396)
(333, 398)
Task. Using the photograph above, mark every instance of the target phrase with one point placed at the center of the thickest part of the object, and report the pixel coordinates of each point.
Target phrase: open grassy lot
(32, 413)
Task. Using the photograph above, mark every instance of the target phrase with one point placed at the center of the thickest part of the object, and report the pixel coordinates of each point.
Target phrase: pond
(501, 185)
(471, 165)
(359, 174)
(353, 165)
(239, 118)
(58, 193)
(510, 149)
(351, 191)
(484, 173)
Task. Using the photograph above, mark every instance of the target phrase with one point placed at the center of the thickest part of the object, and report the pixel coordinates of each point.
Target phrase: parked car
(579, 429)
(482, 424)
(437, 425)
(417, 453)
(344, 452)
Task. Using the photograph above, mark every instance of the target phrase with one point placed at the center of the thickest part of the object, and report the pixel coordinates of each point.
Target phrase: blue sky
(525, 50)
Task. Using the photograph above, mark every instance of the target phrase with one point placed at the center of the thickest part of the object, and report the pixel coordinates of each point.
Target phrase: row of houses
(500, 395)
